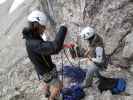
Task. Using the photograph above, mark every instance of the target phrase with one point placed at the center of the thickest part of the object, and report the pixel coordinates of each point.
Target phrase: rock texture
(112, 19)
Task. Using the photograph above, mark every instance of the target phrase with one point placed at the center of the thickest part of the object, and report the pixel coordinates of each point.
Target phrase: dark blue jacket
(40, 51)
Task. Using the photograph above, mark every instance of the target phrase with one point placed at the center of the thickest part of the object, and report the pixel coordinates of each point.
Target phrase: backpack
(77, 76)
(74, 93)
(115, 85)
(75, 73)
(119, 87)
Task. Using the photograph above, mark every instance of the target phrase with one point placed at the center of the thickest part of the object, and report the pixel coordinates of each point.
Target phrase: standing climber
(90, 45)
(40, 51)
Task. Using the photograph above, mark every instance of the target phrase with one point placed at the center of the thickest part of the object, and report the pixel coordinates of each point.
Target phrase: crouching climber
(90, 45)
(40, 51)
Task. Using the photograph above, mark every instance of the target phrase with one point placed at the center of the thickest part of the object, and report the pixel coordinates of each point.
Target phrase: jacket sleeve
(52, 47)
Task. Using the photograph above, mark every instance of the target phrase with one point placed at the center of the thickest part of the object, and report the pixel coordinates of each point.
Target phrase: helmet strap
(91, 39)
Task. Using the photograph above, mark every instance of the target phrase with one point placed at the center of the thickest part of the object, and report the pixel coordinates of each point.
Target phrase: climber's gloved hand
(63, 26)
(69, 45)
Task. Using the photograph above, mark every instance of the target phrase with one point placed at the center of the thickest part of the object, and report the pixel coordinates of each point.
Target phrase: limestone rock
(112, 19)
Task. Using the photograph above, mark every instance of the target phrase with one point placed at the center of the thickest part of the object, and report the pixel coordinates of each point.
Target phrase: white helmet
(37, 16)
(87, 33)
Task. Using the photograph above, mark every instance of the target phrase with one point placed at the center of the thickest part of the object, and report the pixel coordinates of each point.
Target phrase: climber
(40, 50)
(90, 45)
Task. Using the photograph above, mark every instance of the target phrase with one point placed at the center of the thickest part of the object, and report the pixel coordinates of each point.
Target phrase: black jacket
(40, 51)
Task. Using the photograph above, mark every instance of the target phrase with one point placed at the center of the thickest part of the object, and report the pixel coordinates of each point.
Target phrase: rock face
(112, 19)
